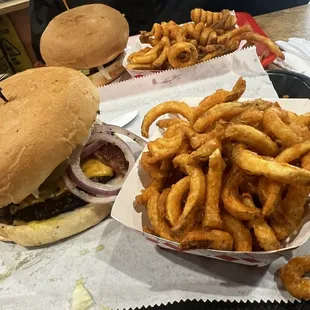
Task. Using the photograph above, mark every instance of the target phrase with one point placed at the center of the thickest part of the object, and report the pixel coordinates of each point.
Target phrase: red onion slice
(83, 195)
(106, 128)
(95, 188)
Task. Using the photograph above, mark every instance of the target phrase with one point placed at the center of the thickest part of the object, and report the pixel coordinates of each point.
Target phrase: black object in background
(291, 84)
(221, 305)
(141, 14)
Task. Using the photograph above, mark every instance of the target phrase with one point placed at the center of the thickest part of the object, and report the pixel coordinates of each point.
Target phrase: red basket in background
(247, 19)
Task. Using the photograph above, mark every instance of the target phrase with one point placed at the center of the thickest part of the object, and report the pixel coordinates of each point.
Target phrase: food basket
(134, 45)
(135, 217)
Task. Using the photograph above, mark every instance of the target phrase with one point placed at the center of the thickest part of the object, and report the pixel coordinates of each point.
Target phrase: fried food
(166, 147)
(211, 189)
(203, 153)
(218, 20)
(254, 37)
(264, 234)
(214, 239)
(292, 278)
(218, 97)
(253, 138)
(231, 199)
(158, 223)
(267, 166)
(182, 54)
(274, 191)
(175, 198)
(274, 124)
(162, 202)
(224, 111)
(194, 199)
(240, 233)
(173, 107)
(210, 35)
(211, 217)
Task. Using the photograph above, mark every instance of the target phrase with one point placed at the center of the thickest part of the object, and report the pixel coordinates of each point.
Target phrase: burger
(91, 38)
(60, 169)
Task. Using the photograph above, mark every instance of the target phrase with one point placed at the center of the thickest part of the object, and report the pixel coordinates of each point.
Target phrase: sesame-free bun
(37, 233)
(84, 37)
(50, 111)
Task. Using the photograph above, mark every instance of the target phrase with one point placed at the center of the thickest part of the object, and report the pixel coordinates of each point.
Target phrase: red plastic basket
(247, 19)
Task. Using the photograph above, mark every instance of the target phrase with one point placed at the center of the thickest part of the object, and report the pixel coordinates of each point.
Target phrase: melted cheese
(95, 168)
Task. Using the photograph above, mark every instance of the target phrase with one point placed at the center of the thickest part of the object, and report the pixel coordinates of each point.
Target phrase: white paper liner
(130, 272)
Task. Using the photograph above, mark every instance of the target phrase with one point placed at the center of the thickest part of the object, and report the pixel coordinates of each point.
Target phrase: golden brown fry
(174, 107)
(273, 123)
(175, 198)
(138, 53)
(182, 54)
(240, 233)
(159, 62)
(158, 223)
(203, 153)
(292, 277)
(255, 37)
(264, 234)
(210, 18)
(274, 191)
(194, 200)
(211, 217)
(224, 111)
(154, 186)
(253, 138)
(304, 119)
(277, 171)
(162, 202)
(144, 59)
(214, 239)
(218, 97)
(231, 199)
(251, 117)
(229, 35)
(153, 169)
(168, 122)
(163, 148)
(210, 48)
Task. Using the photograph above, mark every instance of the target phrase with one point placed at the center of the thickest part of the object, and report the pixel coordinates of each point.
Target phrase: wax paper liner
(120, 269)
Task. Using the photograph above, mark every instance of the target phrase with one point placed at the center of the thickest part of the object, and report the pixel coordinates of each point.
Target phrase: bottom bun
(37, 233)
(109, 73)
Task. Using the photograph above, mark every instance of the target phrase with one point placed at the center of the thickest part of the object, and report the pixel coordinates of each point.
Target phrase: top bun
(84, 37)
(50, 111)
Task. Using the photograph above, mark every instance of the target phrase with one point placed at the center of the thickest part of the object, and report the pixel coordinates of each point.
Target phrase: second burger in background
(91, 38)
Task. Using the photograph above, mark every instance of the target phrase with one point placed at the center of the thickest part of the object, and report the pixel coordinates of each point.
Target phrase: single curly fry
(240, 233)
(174, 107)
(182, 54)
(292, 274)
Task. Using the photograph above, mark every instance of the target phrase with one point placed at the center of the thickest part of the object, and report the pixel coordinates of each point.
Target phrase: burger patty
(62, 203)
(111, 155)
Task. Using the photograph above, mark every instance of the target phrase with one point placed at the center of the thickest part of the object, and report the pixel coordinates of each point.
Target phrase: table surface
(286, 24)
(9, 6)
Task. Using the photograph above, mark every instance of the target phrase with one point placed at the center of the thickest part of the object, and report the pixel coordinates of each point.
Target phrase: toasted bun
(109, 73)
(84, 37)
(62, 226)
(50, 111)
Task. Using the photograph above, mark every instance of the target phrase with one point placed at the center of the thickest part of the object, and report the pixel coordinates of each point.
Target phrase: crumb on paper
(81, 299)
(84, 252)
(99, 248)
